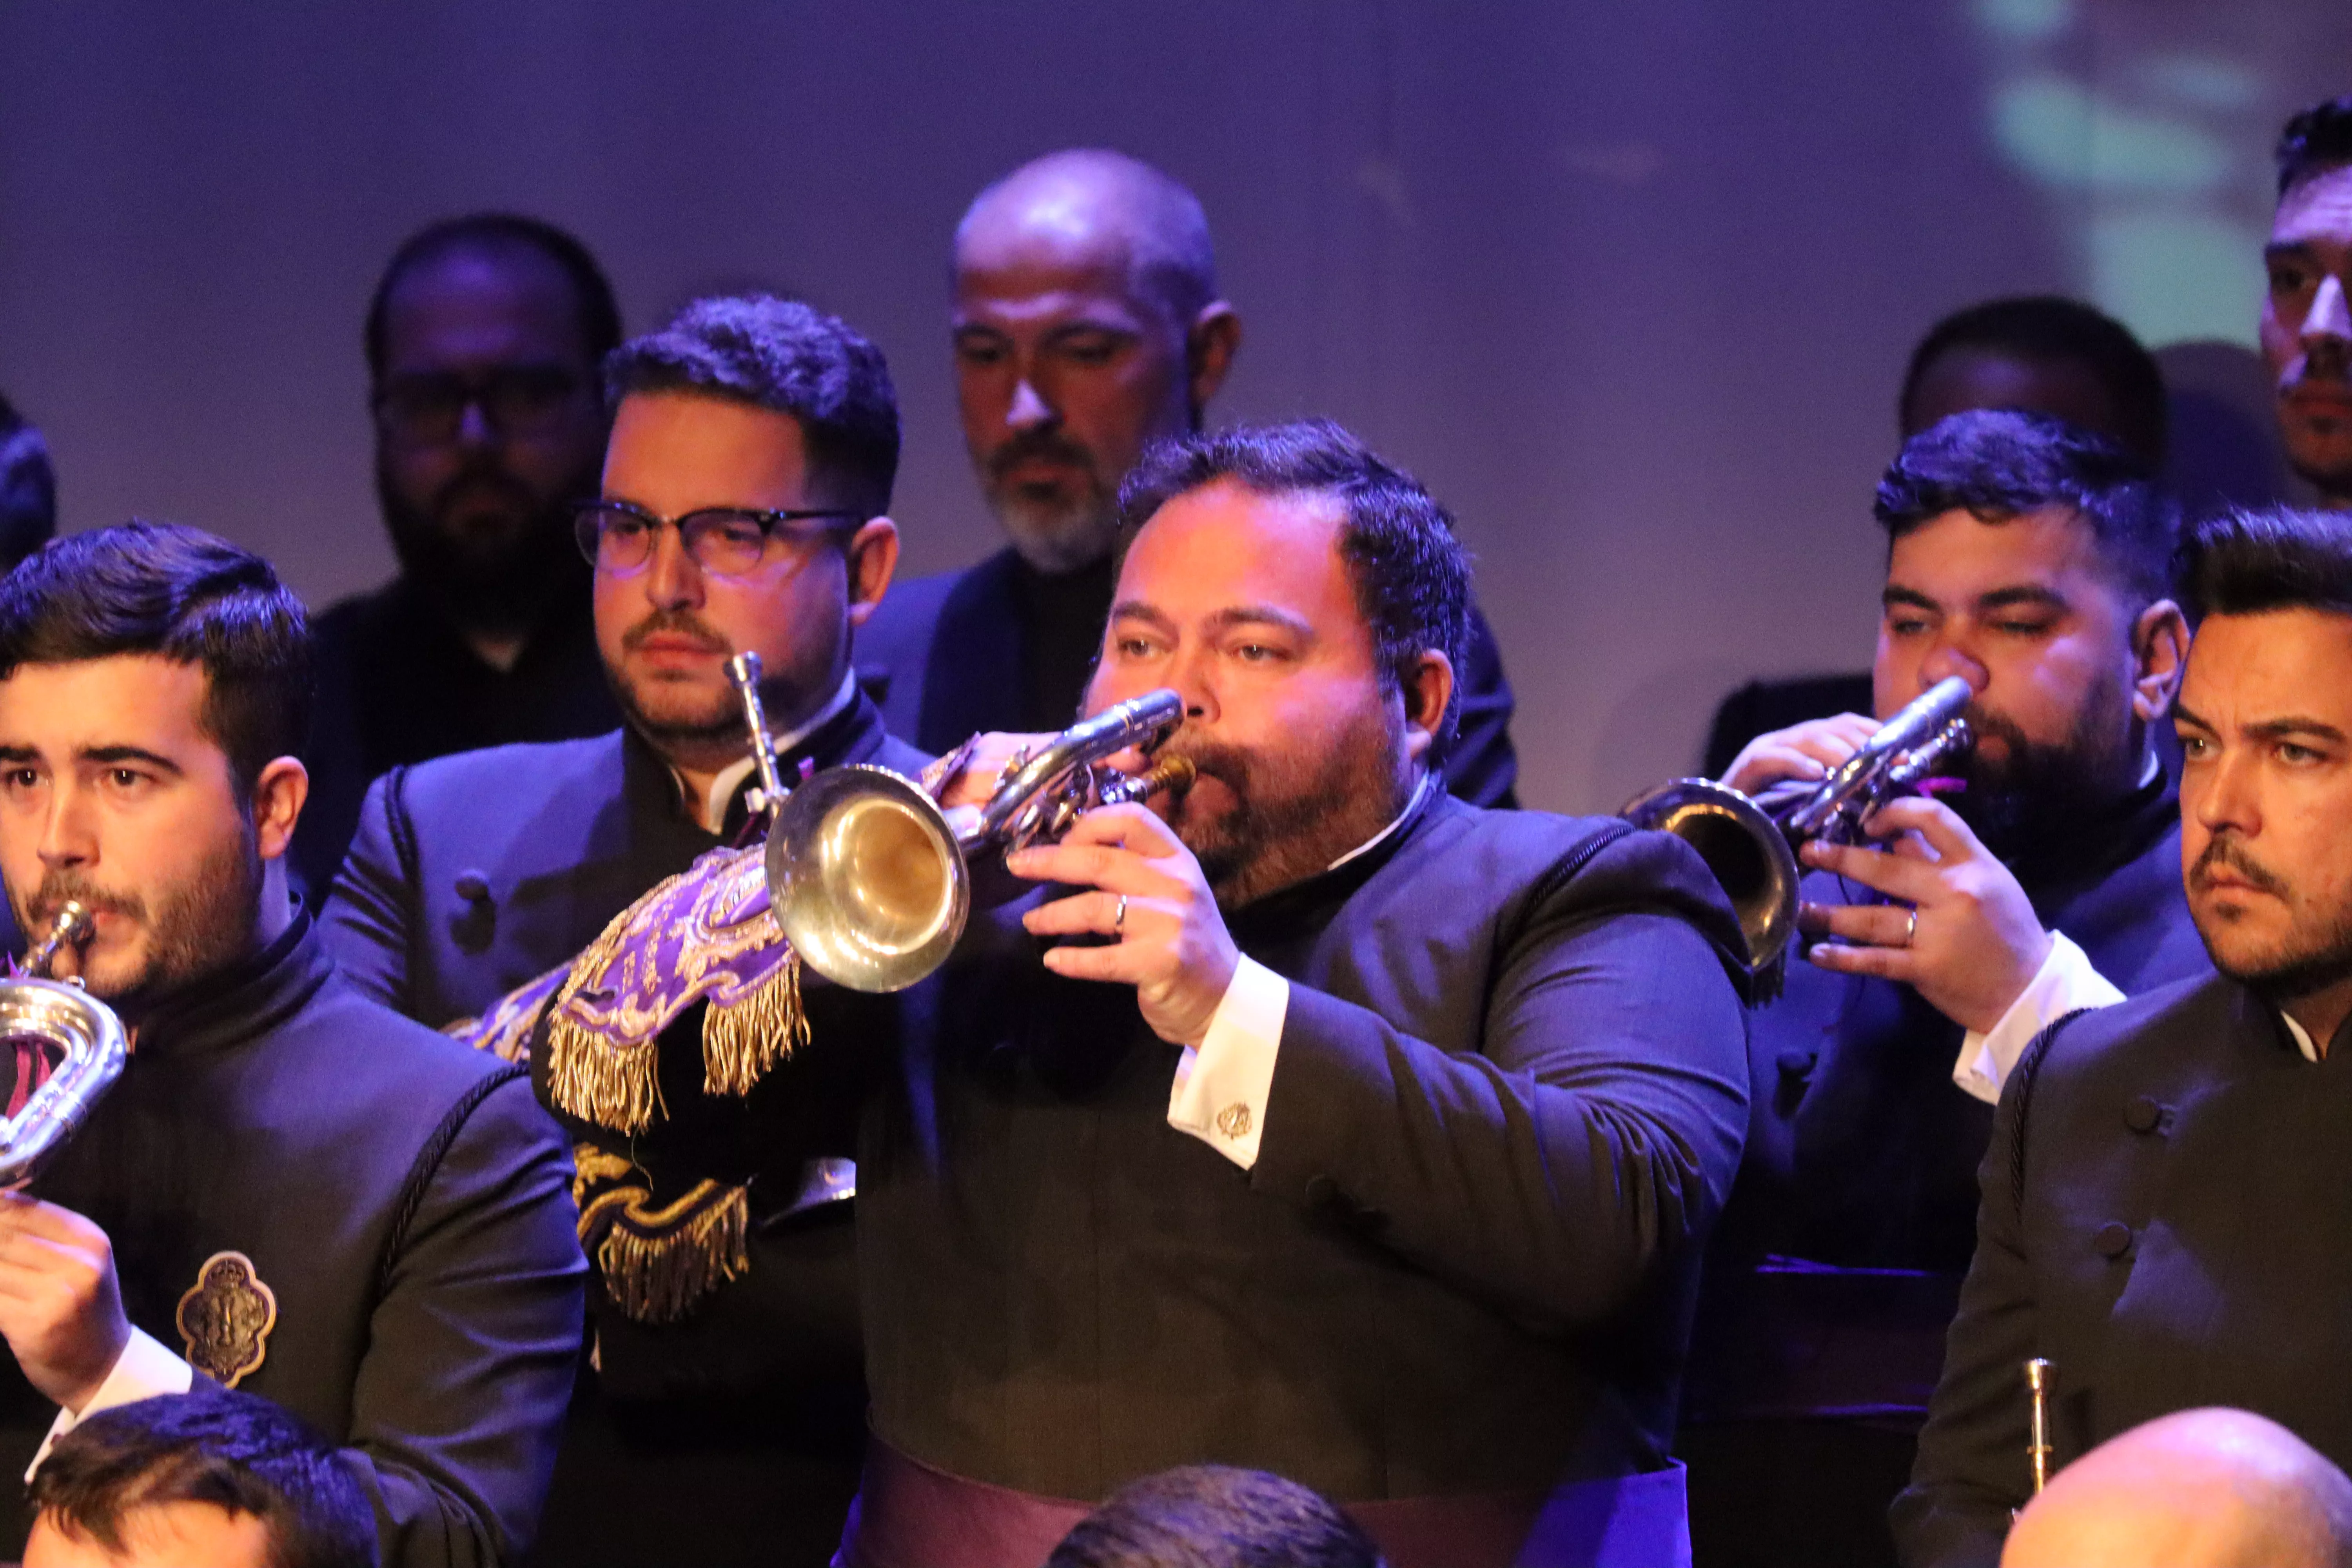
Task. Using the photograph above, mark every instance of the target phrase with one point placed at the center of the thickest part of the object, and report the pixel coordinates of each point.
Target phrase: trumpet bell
(1743, 846)
(91, 1049)
(866, 879)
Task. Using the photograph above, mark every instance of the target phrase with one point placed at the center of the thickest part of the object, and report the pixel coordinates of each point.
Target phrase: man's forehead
(121, 698)
(1226, 544)
(2317, 210)
(481, 303)
(1957, 552)
(2245, 667)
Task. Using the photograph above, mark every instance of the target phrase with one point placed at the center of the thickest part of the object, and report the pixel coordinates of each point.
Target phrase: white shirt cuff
(142, 1371)
(2064, 983)
(1222, 1085)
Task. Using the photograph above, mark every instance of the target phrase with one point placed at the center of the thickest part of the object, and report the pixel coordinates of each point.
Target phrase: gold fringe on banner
(745, 1038)
(588, 1075)
(658, 1263)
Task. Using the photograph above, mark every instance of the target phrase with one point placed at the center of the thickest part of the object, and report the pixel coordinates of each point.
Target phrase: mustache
(1228, 764)
(485, 472)
(58, 888)
(2225, 853)
(674, 623)
(1029, 445)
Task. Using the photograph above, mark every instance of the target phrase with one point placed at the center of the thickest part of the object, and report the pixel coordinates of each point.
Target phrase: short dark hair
(2318, 139)
(2001, 463)
(2045, 329)
(1212, 1516)
(600, 312)
(2248, 563)
(180, 593)
(29, 488)
(788, 357)
(235, 1451)
(1409, 572)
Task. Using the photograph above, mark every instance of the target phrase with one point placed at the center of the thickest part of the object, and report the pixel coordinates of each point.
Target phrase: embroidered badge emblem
(225, 1318)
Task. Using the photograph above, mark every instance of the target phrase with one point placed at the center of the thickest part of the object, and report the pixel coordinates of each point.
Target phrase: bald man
(2201, 1488)
(1086, 323)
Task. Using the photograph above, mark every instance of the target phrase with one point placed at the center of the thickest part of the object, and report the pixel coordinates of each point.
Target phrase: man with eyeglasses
(753, 446)
(483, 339)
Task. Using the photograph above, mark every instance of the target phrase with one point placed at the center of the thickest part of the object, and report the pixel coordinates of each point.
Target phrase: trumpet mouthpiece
(1175, 774)
(70, 926)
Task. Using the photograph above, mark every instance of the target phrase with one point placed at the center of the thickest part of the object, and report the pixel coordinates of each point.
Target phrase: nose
(474, 426)
(2329, 318)
(672, 579)
(67, 838)
(1949, 658)
(2222, 796)
(1030, 411)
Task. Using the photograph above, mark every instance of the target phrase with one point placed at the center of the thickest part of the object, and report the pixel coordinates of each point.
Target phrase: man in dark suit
(483, 339)
(2170, 1185)
(754, 444)
(2030, 559)
(2042, 353)
(1359, 1134)
(307, 1195)
(2306, 324)
(1086, 323)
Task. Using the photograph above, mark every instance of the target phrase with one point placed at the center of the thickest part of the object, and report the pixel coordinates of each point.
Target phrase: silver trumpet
(1750, 843)
(865, 877)
(85, 1033)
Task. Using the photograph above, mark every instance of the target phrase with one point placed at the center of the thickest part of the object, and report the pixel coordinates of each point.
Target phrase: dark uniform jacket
(1507, 1107)
(402, 1197)
(1835, 1271)
(1000, 646)
(397, 684)
(732, 1434)
(2168, 1218)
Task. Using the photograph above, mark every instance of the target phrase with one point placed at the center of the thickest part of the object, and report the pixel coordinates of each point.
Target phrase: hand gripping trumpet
(868, 880)
(90, 1046)
(1751, 844)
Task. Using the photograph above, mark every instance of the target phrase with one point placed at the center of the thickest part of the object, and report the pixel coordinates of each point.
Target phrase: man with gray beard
(2168, 1192)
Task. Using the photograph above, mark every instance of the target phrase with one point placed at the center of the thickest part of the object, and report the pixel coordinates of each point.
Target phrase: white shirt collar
(2302, 1036)
(1374, 842)
(730, 778)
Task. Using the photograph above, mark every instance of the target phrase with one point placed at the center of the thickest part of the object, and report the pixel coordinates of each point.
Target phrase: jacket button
(2114, 1239)
(1796, 1064)
(2143, 1114)
(473, 886)
(1321, 1193)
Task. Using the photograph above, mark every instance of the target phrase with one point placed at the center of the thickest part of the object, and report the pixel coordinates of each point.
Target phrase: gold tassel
(657, 1279)
(744, 1039)
(612, 1085)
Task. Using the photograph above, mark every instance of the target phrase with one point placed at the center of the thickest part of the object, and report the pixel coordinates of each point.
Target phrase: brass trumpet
(869, 882)
(1750, 843)
(86, 1036)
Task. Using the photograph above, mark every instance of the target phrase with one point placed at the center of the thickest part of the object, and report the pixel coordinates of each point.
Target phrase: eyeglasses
(618, 536)
(427, 408)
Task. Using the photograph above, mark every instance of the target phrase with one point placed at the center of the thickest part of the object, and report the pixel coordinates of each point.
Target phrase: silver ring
(1118, 921)
(1911, 930)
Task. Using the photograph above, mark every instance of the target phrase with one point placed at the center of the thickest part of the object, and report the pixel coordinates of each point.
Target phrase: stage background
(1630, 286)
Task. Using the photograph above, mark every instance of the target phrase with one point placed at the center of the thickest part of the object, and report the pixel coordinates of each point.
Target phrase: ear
(1210, 344)
(2159, 656)
(278, 795)
(872, 556)
(1427, 691)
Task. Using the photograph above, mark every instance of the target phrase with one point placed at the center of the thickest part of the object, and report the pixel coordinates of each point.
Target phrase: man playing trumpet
(2029, 559)
(290, 1190)
(1343, 1129)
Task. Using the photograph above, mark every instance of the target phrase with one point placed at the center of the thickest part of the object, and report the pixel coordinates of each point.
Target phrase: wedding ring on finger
(1118, 919)
(1911, 928)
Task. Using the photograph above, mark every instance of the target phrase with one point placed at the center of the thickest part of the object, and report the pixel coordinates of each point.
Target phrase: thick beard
(196, 928)
(2039, 793)
(1055, 538)
(2292, 970)
(1293, 814)
(503, 586)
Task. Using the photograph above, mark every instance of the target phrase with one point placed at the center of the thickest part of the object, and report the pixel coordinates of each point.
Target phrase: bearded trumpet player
(2029, 559)
(290, 1189)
